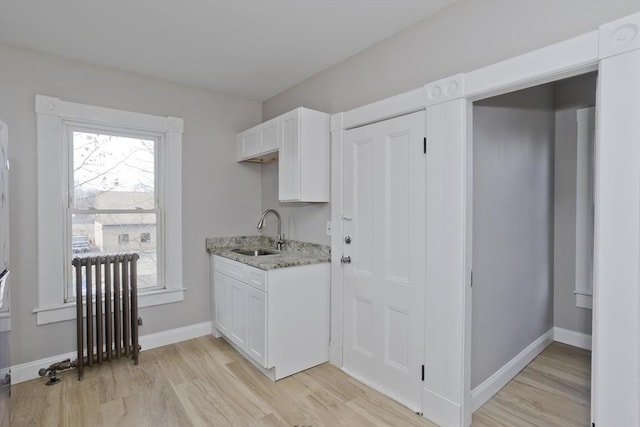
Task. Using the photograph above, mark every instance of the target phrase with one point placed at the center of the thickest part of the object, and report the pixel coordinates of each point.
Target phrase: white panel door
(384, 285)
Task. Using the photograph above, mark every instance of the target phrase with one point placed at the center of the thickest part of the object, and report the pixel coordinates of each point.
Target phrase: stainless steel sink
(254, 252)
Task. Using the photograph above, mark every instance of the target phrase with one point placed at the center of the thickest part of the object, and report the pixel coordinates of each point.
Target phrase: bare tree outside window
(114, 201)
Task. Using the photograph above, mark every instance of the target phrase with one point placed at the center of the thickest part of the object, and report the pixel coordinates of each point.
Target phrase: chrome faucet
(280, 236)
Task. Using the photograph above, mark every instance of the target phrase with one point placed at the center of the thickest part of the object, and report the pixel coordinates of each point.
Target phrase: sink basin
(254, 252)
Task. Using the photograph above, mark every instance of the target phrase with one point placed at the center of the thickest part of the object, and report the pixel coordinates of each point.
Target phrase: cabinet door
(289, 168)
(257, 340)
(239, 313)
(248, 143)
(222, 302)
(268, 136)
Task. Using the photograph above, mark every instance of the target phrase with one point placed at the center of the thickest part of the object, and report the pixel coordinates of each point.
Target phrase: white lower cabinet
(239, 309)
(278, 319)
(257, 339)
(222, 302)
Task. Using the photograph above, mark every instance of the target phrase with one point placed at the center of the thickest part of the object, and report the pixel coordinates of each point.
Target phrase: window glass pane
(110, 234)
(113, 172)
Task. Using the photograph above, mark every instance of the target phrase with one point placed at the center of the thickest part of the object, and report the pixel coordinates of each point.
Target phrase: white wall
(513, 137)
(220, 196)
(571, 94)
(466, 36)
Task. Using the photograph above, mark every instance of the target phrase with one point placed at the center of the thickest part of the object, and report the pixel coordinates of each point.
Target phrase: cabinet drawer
(252, 276)
(230, 268)
(257, 278)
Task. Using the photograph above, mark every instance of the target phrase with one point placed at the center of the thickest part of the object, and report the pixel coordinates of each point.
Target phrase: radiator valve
(54, 368)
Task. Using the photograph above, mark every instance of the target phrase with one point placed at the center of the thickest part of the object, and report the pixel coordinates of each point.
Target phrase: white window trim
(51, 114)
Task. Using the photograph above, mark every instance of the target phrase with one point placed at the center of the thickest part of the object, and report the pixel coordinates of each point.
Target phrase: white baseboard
(29, 371)
(576, 339)
(440, 410)
(485, 391)
(173, 336)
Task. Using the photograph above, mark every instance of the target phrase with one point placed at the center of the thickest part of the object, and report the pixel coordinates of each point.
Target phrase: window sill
(584, 299)
(67, 311)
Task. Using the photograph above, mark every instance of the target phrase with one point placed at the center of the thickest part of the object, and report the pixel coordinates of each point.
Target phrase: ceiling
(249, 48)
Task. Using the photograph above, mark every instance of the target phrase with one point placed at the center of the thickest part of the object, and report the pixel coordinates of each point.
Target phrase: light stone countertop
(293, 253)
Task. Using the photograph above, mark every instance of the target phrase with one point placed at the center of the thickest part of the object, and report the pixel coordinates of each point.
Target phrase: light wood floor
(553, 390)
(204, 382)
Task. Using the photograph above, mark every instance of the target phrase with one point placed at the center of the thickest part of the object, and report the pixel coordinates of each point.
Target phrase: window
(112, 180)
(117, 185)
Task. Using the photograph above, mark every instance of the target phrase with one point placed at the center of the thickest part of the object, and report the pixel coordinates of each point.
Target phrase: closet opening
(532, 225)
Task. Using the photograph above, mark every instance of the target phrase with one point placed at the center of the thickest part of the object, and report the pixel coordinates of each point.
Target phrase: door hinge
(425, 145)
(422, 372)
(471, 278)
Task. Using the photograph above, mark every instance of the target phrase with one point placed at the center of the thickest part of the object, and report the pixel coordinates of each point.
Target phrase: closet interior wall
(524, 227)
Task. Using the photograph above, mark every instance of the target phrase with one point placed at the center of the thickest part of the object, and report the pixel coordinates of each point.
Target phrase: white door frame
(611, 50)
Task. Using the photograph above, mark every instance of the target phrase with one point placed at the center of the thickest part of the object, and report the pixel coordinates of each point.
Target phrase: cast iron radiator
(107, 287)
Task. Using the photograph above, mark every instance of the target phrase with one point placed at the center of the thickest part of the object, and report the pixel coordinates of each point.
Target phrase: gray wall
(466, 36)
(300, 221)
(463, 37)
(220, 196)
(513, 138)
(571, 94)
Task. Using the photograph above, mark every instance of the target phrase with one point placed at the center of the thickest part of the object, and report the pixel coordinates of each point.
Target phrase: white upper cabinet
(289, 168)
(303, 173)
(268, 142)
(248, 144)
(259, 143)
(301, 138)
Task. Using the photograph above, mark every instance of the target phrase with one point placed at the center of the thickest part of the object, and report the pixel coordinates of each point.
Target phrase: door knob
(345, 260)
(347, 239)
